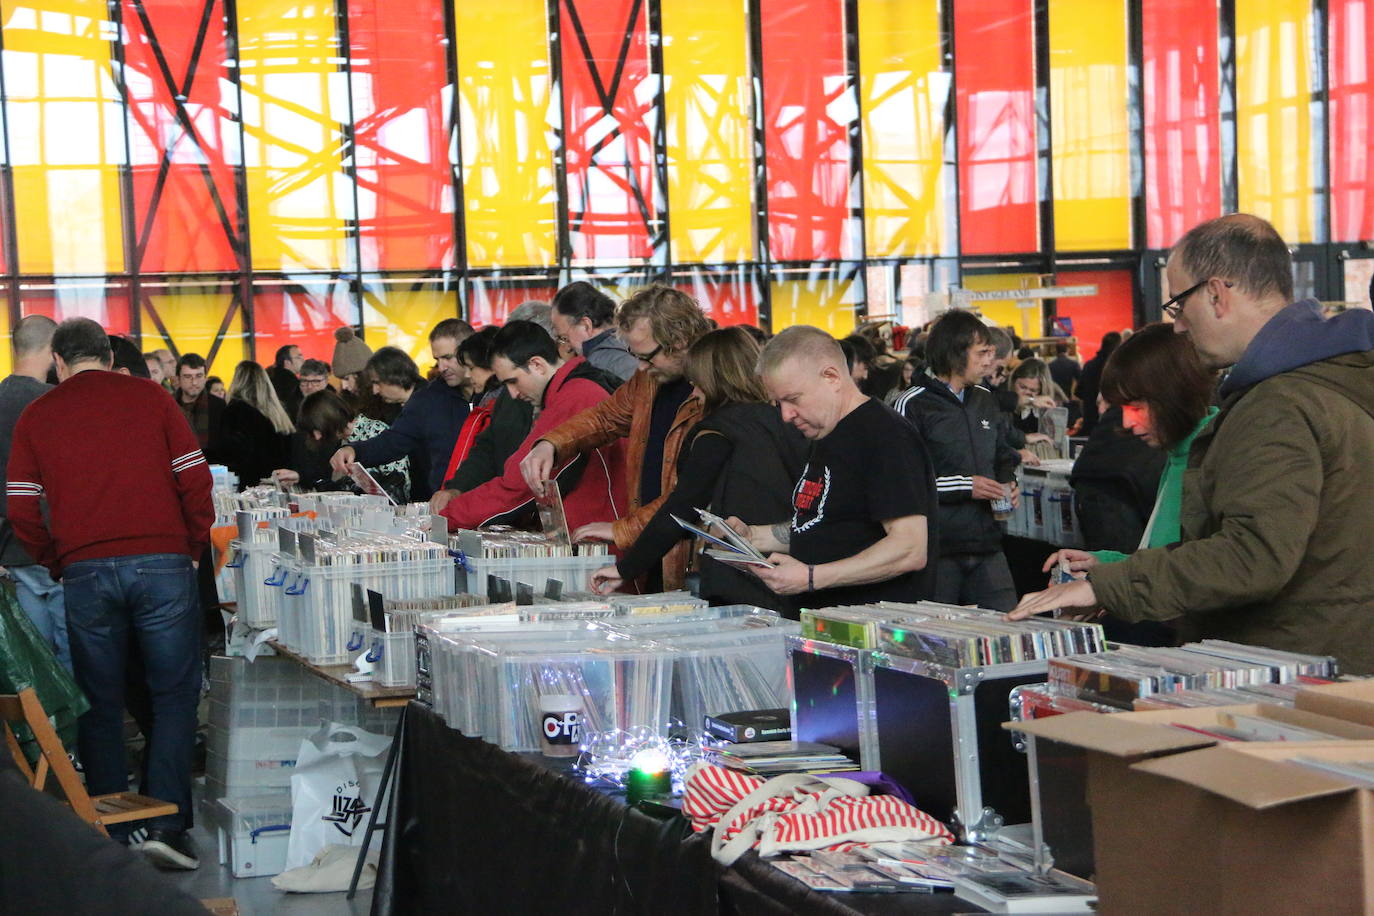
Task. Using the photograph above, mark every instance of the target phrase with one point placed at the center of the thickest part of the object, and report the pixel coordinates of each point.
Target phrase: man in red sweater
(526, 360)
(108, 488)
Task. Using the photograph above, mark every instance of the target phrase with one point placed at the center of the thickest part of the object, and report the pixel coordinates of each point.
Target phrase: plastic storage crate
(259, 603)
(317, 609)
(729, 671)
(1047, 511)
(393, 658)
(253, 834)
(573, 573)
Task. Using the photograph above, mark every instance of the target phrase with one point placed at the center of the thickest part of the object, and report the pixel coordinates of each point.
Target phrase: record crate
(832, 697)
(317, 607)
(938, 732)
(572, 573)
(253, 563)
(253, 834)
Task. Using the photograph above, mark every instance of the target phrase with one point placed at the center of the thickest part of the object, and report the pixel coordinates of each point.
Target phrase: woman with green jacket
(1165, 396)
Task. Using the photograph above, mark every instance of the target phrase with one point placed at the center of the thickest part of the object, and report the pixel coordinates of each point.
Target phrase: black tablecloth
(473, 829)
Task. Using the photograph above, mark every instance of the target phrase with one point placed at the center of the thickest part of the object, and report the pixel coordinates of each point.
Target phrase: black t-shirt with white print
(871, 468)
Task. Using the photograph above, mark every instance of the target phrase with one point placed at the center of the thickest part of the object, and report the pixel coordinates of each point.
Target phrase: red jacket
(598, 496)
(119, 467)
(478, 420)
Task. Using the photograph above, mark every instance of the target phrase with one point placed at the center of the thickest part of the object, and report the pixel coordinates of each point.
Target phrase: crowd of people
(1222, 483)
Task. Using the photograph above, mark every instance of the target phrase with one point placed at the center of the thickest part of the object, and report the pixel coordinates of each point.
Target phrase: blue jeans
(151, 599)
(41, 599)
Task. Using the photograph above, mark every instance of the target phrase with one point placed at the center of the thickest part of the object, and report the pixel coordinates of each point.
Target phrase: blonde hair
(1036, 368)
(675, 319)
(721, 366)
(252, 386)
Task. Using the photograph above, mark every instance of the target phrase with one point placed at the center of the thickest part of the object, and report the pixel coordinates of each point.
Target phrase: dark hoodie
(1299, 336)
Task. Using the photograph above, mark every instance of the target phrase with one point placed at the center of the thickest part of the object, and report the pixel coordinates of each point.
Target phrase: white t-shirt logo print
(810, 495)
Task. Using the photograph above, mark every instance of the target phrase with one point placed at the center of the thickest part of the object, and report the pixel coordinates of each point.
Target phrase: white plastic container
(253, 834)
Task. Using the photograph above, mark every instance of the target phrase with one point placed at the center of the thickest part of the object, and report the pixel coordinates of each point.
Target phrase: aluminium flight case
(938, 732)
(832, 697)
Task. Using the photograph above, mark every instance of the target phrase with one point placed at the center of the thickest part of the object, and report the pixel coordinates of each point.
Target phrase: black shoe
(169, 849)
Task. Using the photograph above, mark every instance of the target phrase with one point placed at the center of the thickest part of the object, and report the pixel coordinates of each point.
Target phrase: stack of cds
(951, 635)
(1130, 673)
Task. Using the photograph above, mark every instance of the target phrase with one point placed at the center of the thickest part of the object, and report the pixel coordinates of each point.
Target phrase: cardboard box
(1236, 829)
(1072, 753)
(1349, 700)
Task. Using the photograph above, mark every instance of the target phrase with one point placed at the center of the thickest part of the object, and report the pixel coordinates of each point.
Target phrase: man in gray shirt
(584, 325)
(39, 596)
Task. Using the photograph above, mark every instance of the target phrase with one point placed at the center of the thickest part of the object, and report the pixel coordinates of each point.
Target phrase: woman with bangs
(740, 459)
(1165, 396)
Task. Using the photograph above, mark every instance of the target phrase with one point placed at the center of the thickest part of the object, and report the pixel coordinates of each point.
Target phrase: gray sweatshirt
(16, 393)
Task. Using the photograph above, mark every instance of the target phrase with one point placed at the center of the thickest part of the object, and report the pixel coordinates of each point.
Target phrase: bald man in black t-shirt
(862, 513)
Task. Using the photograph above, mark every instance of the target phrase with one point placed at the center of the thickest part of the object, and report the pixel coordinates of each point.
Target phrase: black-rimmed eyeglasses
(1175, 305)
(648, 357)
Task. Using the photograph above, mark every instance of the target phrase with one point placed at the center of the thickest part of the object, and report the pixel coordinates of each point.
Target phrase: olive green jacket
(1277, 522)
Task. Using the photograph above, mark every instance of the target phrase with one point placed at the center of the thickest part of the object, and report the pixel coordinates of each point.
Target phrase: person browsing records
(1274, 523)
(862, 526)
(740, 460)
(652, 412)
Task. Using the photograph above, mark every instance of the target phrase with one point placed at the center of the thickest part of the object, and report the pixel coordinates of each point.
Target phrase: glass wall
(228, 177)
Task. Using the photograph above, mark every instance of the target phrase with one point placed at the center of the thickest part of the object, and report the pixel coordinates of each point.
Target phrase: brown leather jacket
(625, 414)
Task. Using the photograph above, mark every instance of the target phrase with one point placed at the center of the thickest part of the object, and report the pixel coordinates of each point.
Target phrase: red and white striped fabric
(796, 812)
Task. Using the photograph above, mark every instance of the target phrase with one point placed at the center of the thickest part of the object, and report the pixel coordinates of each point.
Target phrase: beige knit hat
(350, 353)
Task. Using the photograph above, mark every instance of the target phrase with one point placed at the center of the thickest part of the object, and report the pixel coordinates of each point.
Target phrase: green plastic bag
(27, 661)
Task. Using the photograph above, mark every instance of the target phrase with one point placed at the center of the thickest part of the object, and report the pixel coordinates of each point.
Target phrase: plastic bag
(27, 661)
(333, 789)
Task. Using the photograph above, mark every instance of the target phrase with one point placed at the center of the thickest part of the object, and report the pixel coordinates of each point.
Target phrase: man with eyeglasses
(584, 325)
(526, 361)
(653, 410)
(314, 377)
(1279, 488)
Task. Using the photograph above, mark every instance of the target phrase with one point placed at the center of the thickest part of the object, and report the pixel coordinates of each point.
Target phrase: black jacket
(425, 432)
(965, 440)
(250, 445)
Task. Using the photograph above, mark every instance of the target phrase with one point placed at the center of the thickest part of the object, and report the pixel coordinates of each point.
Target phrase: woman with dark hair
(324, 423)
(1165, 396)
(740, 459)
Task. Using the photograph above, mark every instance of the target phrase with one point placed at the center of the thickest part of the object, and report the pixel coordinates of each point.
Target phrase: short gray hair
(1241, 248)
(1001, 341)
(534, 310)
(801, 341)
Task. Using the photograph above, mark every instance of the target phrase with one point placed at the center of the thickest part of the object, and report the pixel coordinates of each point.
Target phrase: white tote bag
(333, 789)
